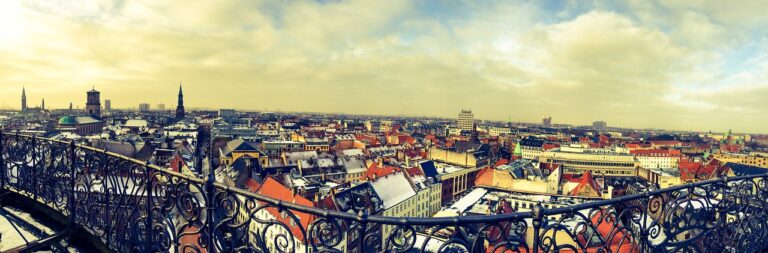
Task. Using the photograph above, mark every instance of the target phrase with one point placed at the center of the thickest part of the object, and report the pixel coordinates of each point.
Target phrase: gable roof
(239, 145)
(586, 182)
(375, 171)
(393, 189)
(273, 189)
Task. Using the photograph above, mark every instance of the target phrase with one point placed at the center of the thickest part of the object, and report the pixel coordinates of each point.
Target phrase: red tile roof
(175, 162)
(415, 171)
(699, 171)
(371, 140)
(490, 177)
(271, 188)
(375, 171)
(586, 182)
(500, 162)
(485, 177)
(548, 146)
(404, 139)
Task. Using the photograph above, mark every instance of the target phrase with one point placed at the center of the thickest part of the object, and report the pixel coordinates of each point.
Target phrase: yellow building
(317, 144)
(463, 159)
(751, 159)
(663, 177)
(239, 148)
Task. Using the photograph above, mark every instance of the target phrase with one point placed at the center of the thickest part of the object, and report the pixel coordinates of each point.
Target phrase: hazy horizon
(676, 65)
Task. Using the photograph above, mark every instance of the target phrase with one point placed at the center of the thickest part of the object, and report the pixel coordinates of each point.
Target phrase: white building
(497, 131)
(401, 199)
(657, 158)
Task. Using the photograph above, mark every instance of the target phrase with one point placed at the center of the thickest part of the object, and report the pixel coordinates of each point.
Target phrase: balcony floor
(17, 228)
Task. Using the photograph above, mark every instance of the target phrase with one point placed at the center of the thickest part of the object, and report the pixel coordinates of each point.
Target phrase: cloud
(641, 63)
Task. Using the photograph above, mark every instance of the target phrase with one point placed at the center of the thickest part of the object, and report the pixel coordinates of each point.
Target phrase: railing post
(106, 181)
(362, 230)
(210, 192)
(4, 168)
(34, 167)
(148, 223)
(538, 217)
(72, 187)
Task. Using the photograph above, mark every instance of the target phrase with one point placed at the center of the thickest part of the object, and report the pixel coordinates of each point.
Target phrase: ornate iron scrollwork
(133, 206)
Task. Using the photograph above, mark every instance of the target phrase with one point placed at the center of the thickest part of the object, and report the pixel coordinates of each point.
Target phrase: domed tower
(93, 105)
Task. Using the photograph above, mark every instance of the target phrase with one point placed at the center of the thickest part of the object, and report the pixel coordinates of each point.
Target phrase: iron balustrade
(133, 206)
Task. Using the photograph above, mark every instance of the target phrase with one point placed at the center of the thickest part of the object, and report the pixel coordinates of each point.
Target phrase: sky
(676, 64)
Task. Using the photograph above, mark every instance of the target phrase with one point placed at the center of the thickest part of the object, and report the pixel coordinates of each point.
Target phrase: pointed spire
(23, 98)
(180, 91)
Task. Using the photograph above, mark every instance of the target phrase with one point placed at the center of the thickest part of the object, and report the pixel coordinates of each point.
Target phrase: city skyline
(150, 108)
(639, 64)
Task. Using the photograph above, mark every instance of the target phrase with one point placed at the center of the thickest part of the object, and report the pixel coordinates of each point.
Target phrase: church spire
(23, 98)
(180, 113)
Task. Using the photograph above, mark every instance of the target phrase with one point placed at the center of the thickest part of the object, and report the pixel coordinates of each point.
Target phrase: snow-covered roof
(470, 199)
(393, 189)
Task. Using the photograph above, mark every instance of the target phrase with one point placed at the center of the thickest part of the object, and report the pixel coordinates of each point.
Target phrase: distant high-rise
(23, 99)
(180, 107)
(93, 105)
(161, 107)
(547, 121)
(70, 107)
(599, 125)
(466, 120)
(107, 105)
(144, 107)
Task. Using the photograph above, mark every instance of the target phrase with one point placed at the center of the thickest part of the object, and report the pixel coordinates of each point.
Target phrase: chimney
(380, 161)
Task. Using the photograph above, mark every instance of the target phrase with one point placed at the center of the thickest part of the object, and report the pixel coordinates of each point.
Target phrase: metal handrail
(628, 216)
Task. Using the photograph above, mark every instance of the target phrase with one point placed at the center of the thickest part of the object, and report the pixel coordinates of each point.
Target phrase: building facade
(598, 162)
(657, 158)
(93, 104)
(466, 120)
(752, 159)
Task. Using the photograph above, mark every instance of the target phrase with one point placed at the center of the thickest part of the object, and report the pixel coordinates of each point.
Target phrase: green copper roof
(67, 120)
(518, 150)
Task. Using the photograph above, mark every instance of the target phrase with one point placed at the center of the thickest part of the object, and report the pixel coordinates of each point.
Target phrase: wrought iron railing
(133, 206)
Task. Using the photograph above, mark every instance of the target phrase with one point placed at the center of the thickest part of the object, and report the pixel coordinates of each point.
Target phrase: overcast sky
(685, 64)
